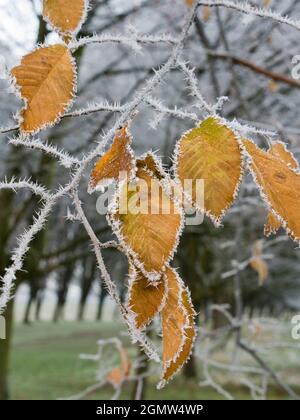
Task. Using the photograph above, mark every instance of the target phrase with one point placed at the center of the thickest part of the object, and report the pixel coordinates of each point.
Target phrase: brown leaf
(272, 224)
(65, 16)
(177, 326)
(46, 79)
(279, 186)
(279, 150)
(145, 299)
(146, 223)
(210, 152)
(118, 161)
(206, 13)
(125, 361)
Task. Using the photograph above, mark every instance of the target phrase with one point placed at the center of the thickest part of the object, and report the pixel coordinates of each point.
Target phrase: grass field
(45, 365)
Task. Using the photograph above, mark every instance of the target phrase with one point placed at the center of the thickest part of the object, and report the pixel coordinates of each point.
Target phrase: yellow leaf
(118, 161)
(257, 262)
(145, 299)
(46, 79)
(147, 222)
(177, 326)
(210, 152)
(279, 150)
(279, 186)
(65, 16)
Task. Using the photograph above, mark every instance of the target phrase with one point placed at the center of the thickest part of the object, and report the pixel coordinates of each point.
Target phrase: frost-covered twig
(64, 158)
(5, 130)
(193, 85)
(93, 108)
(250, 350)
(247, 8)
(174, 112)
(90, 109)
(132, 41)
(27, 184)
(19, 253)
(111, 287)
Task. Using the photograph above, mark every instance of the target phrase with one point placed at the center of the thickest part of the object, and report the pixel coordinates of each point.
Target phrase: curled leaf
(145, 299)
(279, 186)
(177, 326)
(210, 152)
(65, 16)
(118, 162)
(46, 79)
(117, 375)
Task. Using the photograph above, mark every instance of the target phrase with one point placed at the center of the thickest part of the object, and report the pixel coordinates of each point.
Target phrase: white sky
(18, 24)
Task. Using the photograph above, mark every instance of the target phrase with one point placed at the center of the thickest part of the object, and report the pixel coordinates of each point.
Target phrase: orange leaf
(279, 186)
(279, 150)
(46, 79)
(177, 326)
(210, 152)
(257, 263)
(65, 16)
(147, 222)
(189, 2)
(115, 377)
(117, 162)
(145, 299)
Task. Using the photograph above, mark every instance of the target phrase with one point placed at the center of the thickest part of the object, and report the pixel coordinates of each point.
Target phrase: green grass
(45, 365)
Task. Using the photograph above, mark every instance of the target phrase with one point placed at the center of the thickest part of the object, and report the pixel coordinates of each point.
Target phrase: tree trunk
(87, 278)
(5, 353)
(100, 303)
(190, 367)
(26, 318)
(39, 303)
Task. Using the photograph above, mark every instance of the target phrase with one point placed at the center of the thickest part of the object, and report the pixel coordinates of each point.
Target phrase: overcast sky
(18, 24)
